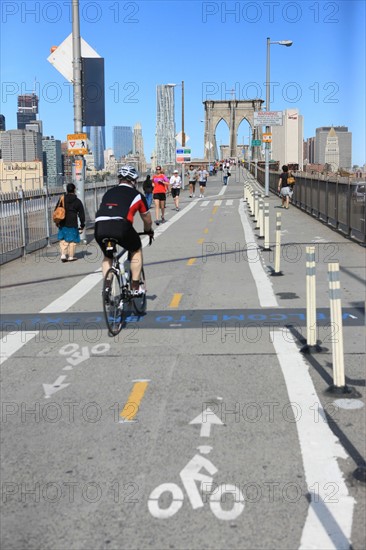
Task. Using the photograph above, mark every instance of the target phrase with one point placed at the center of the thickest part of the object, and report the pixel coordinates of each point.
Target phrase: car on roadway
(359, 191)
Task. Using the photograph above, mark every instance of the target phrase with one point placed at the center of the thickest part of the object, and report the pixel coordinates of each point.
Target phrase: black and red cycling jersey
(121, 203)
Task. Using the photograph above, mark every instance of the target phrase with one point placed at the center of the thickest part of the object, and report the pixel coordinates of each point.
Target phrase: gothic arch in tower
(233, 112)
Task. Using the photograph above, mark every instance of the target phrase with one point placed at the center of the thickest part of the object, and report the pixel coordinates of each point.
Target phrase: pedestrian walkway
(210, 383)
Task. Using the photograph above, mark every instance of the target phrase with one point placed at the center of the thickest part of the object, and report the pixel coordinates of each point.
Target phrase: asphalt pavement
(201, 425)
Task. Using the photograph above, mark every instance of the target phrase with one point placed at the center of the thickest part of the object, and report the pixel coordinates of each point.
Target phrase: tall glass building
(122, 141)
(52, 160)
(96, 135)
(27, 109)
(165, 125)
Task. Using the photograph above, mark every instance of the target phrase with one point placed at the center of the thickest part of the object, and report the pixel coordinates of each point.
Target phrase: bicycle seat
(110, 243)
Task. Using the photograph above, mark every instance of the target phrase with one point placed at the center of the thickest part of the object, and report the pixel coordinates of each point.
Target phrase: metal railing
(331, 201)
(26, 217)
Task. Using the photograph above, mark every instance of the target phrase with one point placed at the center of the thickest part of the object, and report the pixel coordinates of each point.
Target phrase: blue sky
(213, 46)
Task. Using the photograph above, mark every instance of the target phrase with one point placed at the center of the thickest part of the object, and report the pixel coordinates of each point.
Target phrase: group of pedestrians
(155, 189)
(199, 176)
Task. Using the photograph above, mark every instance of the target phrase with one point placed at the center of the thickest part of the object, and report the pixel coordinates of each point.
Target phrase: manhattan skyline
(218, 49)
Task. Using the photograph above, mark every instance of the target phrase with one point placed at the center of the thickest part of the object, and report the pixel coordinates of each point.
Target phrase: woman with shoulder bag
(291, 181)
(68, 231)
(284, 187)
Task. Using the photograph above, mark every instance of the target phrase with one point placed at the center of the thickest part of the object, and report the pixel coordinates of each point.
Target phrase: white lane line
(229, 202)
(222, 190)
(204, 203)
(14, 341)
(264, 287)
(67, 300)
(217, 203)
(329, 519)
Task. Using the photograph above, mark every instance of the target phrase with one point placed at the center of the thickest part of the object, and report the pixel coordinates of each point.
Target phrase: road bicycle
(117, 293)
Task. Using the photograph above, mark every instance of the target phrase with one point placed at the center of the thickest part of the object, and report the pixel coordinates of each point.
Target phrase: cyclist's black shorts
(120, 230)
(175, 192)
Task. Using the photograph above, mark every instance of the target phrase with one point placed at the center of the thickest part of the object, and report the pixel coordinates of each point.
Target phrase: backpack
(59, 213)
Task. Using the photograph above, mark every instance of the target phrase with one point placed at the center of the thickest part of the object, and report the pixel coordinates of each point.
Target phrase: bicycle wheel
(139, 302)
(112, 302)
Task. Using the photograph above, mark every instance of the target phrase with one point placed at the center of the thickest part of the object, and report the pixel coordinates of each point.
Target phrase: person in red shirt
(160, 185)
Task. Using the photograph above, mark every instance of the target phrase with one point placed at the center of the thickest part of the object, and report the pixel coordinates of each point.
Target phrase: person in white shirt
(175, 185)
(202, 180)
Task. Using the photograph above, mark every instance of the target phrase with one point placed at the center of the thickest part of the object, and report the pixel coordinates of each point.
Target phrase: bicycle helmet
(128, 173)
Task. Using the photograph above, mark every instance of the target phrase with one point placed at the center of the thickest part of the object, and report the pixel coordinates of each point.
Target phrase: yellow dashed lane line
(131, 408)
(175, 300)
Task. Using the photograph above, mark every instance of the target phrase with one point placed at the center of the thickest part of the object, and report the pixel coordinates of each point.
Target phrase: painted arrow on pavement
(50, 389)
(207, 418)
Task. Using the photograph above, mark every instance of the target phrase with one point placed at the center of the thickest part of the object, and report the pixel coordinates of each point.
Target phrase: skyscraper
(21, 145)
(287, 140)
(332, 150)
(122, 141)
(27, 110)
(165, 125)
(52, 160)
(2, 123)
(344, 144)
(138, 147)
(96, 135)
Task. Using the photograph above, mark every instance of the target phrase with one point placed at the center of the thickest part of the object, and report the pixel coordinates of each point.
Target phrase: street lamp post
(78, 160)
(267, 145)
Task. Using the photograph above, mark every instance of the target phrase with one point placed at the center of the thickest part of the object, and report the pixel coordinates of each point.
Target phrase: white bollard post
(256, 207)
(261, 219)
(339, 379)
(277, 269)
(266, 227)
(251, 202)
(311, 327)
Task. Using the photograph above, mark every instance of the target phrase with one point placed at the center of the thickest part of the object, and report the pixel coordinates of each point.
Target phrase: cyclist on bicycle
(114, 220)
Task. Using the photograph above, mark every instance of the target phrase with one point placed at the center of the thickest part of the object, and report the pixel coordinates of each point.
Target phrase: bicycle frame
(117, 292)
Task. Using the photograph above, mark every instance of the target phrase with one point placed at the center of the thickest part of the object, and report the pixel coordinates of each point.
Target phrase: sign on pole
(183, 155)
(256, 142)
(179, 138)
(268, 118)
(76, 144)
(61, 57)
(267, 138)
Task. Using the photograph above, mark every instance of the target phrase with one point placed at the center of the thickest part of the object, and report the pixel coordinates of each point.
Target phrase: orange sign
(76, 144)
(267, 138)
(78, 169)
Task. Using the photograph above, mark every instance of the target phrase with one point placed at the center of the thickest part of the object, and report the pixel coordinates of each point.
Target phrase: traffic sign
(76, 144)
(268, 118)
(256, 142)
(179, 138)
(267, 138)
(183, 155)
(61, 58)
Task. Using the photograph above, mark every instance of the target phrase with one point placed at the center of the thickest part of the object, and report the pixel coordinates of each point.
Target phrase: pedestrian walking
(226, 174)
(68, 228)
(192, 179)
(202, 180)
(148, 190)
(160, 185)
(175, 186)
(284, 187)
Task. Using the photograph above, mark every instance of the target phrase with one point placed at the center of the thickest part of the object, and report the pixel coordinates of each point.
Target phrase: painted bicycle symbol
(197, 484)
